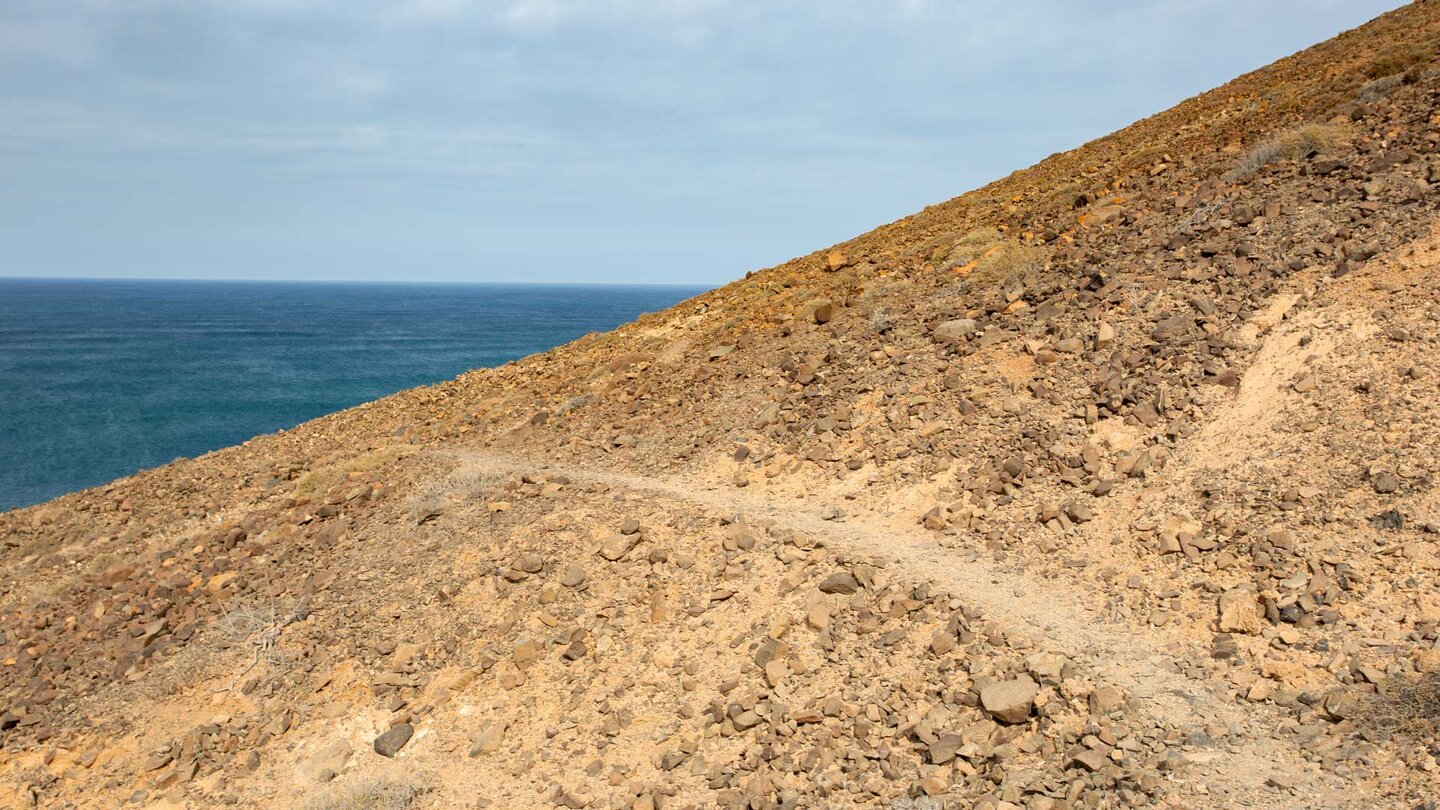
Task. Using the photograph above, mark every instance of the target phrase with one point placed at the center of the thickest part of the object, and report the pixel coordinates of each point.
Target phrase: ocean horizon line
(362, 282)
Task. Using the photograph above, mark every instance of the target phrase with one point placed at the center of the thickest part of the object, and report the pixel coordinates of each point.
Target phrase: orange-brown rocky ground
(1111, 483)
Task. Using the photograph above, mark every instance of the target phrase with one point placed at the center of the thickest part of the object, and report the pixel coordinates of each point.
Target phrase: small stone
(529, 562)
(1239, 610)
(488, 740)
(1104, 335)
(617, 546)
(573, 576)
(390, 743)
(839, 582)
(1090, 759)
(957, 331)
(1385, 482)
(1010, 701)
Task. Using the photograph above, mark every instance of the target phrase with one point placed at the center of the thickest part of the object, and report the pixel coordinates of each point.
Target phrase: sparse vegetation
(882, 320)
(970, 247)
(1006, 260)
(428, 501)
(1292, 143)
(1407, 705)
(1395, 60)
(469, 482)
(257, 630)
(1374, 90)
(369, 793)
(322, 479)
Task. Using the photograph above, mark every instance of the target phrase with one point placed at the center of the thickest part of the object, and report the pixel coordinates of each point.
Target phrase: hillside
(1112, 483)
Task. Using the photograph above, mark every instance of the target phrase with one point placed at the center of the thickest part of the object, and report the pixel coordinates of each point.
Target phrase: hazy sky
(555, 140)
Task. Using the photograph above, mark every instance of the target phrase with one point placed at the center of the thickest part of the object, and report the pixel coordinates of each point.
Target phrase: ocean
(100, 379)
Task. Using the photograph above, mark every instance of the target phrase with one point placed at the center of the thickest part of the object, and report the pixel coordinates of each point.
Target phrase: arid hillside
(1112, 483)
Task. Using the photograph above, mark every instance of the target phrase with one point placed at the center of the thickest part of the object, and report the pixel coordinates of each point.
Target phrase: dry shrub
(889, 287)
(969, 247)
(469, 482)
(323, 479)
(1006, 260)
(1406, 705)
(1292, 143)
(428, 502)
(1395, 60)
(882, 320)
(369, 793)
(1373, 91)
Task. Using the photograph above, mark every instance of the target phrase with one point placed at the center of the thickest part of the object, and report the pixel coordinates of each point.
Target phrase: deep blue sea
(99, 379)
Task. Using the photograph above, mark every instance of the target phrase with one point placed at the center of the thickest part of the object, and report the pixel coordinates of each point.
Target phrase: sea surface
(99, 379)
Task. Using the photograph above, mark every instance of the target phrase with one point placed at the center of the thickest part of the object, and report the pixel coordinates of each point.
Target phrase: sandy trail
(1233, 771)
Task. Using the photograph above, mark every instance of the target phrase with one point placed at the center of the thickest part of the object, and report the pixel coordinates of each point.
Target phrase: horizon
(368, 282)
(677, 144)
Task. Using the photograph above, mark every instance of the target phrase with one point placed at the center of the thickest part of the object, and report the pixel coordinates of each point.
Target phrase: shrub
(469, 482)
(971, 246)
(1396, 60)
(1372, 91)
(882, 320)
(1408, 705)
(369, 793)
(1006, 260)
(1292, 143)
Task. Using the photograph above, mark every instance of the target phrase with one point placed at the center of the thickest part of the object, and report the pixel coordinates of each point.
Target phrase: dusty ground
(1111, 483)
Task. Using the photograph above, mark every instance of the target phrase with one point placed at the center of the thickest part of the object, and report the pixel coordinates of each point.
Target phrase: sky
(559, 141)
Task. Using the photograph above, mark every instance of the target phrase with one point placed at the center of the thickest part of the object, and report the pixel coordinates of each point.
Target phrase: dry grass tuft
(428, 502)
(1374, 90)
(970, 247)
(369, 793)
(257, 630)
(323, 479)
(469, 482)
(1406, 705)
(1395, 60)
(1292, 143)
(1006, 260)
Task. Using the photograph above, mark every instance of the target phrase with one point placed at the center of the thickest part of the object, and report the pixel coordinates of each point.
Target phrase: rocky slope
(1111, 483)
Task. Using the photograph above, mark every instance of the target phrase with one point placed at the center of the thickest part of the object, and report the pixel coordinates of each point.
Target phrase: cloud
(745, 132)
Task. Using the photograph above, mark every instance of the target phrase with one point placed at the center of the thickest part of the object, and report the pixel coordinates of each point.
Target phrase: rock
(1427, 661)
(1104, 336)
(835, 260)
(953, 332)
(1173, 328)
(818, 616)
(325, 764)
(488, 740)
(944, 748)
(573, 576)
(839, 582)
(1010, 701)
(1090, 759)
(1385, 482)
(1047, 668)
(618, 545)
(1239, 610)
(390, 743)
(1106, 699)
(529, 562)
(823, 311)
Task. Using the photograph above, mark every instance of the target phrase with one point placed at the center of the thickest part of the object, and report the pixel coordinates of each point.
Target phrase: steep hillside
(1111, 483)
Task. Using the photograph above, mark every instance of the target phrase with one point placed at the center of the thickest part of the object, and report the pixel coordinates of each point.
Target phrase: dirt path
(1234, 771)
